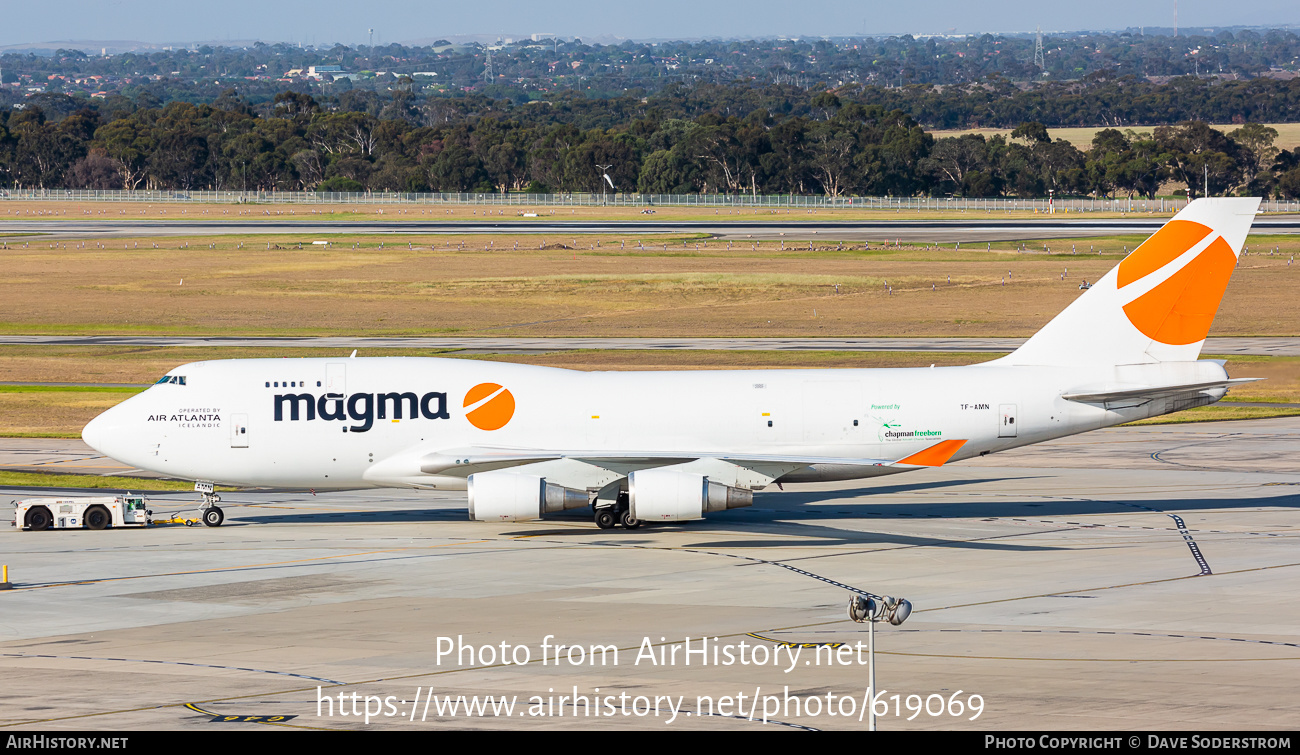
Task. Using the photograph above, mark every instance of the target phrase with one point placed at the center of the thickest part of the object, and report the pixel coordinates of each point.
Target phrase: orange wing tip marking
(936, 455)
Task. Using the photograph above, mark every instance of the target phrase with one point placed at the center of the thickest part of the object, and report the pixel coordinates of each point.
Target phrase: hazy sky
(326, 21)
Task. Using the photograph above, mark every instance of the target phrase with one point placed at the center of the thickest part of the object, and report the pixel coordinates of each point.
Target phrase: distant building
(316, 72)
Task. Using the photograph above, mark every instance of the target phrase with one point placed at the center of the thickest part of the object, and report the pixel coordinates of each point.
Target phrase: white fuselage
(221, 424)
(670, 446)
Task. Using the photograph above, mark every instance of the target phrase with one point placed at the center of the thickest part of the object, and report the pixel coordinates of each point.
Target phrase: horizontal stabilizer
(1138, 396)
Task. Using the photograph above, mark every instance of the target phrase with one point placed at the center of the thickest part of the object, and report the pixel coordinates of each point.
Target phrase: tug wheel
(97, 518)
(39, 518)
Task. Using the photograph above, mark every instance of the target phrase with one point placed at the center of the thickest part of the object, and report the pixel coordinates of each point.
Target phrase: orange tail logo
(1180, 309)
(489, 406)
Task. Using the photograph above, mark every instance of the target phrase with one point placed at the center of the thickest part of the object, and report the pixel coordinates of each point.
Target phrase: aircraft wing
(591, 468)
(466, 461)
(479, 459)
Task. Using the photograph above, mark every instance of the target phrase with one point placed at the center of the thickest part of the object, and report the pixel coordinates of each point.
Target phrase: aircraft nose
(101, 432)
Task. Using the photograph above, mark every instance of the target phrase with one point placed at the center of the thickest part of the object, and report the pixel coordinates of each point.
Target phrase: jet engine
(503, 496)
(672, 495)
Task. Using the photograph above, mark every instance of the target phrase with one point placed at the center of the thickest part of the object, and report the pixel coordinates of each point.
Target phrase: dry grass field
(627, 287)
(141, 366)
(530, 285)
(1288, 134)
(53, 413)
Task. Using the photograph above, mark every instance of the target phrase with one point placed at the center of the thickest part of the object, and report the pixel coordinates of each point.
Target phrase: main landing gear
(619, 512)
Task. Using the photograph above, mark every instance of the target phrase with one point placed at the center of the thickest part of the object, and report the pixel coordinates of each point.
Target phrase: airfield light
(605, 179)
(871, 611)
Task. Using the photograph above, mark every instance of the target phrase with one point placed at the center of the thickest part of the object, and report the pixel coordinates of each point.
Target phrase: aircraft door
(1007, 428)
(336, 378)
(832, 412)
(597, 424)
(775, 411)
(239, 431)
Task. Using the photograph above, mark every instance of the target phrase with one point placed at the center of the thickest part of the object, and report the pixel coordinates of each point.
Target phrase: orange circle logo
(489, 406)
(1180, 309)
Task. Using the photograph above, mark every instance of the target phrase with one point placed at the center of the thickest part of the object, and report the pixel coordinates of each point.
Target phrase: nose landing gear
(212, 514)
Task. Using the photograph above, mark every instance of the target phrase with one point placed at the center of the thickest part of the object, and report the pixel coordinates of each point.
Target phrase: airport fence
(644, 201)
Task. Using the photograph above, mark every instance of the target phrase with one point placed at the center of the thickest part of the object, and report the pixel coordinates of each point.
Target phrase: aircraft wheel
(628, 521)
(97, 518)
(605, 519)
(39, 518)
(213, 516)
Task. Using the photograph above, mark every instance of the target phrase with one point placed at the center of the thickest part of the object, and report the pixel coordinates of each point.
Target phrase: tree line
(836, 147)
(1098, 99)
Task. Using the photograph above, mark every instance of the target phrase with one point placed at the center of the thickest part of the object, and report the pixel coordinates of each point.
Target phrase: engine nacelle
(722, 497)
(558, 498)
(503, 496)
(673, 495)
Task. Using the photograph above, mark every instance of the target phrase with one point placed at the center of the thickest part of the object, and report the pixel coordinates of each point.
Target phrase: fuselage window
(268, 384)
(277, 384)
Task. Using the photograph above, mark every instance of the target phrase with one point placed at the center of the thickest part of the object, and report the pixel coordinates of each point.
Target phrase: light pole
(604, 175)
(873, 609)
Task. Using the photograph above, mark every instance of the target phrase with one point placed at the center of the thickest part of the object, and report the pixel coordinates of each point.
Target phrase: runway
(1260, 346)
(1095, 582)
(938, 231)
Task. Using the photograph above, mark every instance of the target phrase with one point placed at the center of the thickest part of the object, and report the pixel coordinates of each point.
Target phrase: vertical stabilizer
(1158, 304)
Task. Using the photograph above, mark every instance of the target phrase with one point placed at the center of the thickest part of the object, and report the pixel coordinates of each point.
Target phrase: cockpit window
(174, 379)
